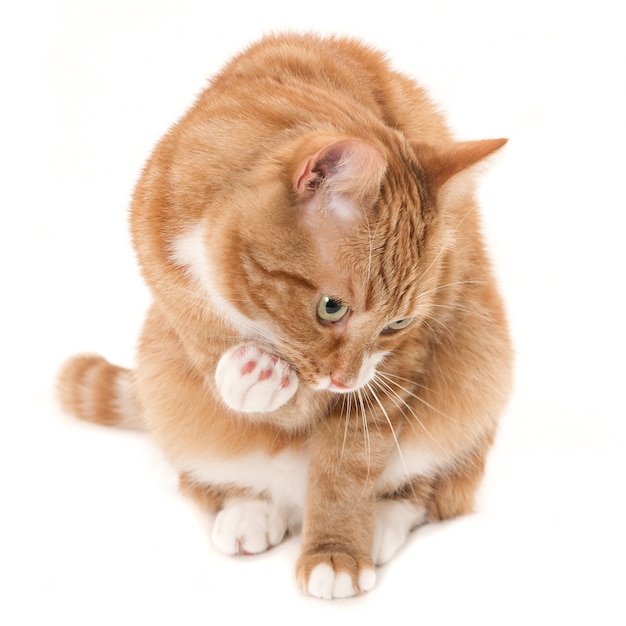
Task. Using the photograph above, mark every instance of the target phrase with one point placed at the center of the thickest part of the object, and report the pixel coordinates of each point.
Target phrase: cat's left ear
(342, 167)
(441, 163)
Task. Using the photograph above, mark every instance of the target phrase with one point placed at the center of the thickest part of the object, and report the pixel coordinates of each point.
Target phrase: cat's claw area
(335, 574)
(248, 527)
(251, 380)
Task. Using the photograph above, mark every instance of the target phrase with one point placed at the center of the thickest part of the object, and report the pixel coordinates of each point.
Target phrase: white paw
(394, 521)
(254, 381)
(325, 582)
(248, 527)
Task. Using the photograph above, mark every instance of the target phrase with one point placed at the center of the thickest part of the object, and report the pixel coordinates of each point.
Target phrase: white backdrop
(93, 530)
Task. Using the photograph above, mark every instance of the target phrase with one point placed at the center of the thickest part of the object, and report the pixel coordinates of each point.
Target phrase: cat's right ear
(350, 168)
(442, 163)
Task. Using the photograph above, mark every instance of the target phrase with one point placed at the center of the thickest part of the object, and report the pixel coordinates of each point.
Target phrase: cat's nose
(337, 382)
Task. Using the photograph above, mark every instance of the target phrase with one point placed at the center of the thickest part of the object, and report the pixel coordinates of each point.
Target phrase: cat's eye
(398, 325)
(330, 309)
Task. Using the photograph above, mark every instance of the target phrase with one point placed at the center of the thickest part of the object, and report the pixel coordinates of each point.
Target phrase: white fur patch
(249, 527)
(410, 460)
(189, 251)
(344, 208)
(394, 521)
(324, 582)
(366, 374)
(367, 579)
(343, 587)
(282, 477)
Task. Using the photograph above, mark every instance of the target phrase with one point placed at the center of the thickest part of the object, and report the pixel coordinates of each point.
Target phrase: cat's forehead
(383, 273)
(386, 251)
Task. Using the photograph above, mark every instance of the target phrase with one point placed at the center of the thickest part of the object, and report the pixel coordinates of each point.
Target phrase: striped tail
(95, 391)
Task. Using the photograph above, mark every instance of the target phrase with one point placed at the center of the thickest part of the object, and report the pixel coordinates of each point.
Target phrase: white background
(92, 529)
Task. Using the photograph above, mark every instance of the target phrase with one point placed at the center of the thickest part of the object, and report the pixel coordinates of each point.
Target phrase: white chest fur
(283, 477)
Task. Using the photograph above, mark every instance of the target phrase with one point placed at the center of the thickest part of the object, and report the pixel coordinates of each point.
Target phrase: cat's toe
(335, 574)
(248, 527)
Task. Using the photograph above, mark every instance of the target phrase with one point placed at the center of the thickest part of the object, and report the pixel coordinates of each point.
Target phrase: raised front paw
(335, 573)
(251, 380)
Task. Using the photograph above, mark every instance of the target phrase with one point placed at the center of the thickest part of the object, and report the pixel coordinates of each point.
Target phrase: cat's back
(327, 67)
(293, 82)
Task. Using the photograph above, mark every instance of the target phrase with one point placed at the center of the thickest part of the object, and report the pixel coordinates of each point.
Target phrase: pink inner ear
(350, 167)
(306, 175)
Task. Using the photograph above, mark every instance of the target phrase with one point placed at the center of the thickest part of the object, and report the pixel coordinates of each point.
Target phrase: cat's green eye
(330, 309)
(398, 324)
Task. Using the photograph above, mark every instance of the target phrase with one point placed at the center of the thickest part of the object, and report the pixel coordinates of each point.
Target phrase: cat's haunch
(326, 349)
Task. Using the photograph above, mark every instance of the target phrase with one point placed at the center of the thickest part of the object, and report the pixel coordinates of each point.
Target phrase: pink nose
(339, 384)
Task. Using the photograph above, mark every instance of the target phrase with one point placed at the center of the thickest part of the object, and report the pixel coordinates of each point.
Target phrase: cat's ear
(441, 163)
(350, 168)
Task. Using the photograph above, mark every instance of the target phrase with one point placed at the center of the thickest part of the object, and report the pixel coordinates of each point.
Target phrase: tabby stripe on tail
(96, 391)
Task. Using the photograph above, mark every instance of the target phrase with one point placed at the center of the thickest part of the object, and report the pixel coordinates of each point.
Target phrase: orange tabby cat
(326, 348)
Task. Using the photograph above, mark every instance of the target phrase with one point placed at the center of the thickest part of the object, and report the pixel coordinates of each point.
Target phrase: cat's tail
(96, 391)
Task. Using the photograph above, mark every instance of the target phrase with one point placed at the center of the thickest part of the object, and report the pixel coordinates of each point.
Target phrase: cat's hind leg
(244, 523)
(249, 527)
(454, 491)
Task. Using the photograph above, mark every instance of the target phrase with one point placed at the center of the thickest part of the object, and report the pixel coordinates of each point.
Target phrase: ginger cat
(326, 349)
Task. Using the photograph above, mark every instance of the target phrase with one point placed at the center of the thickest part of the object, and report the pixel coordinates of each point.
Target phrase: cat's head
(329, 251)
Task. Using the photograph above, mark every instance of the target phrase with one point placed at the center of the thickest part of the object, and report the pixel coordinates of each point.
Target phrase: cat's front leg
(335, 561)
(251, 380)
(340, 512)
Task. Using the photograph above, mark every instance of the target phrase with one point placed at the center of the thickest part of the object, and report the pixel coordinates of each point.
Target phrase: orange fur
(309, 167)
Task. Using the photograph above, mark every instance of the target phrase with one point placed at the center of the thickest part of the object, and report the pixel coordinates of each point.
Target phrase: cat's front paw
(394, 521)
(251, 380)
(334, 573)
(249, 527)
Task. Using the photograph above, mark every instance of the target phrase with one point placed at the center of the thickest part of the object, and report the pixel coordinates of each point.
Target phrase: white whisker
(347, 405)
(384, 381)
(374, 395)
(435, 319)
(453, 284)
(397, 399)
(418, 398)
(444, 247)
(462, 309)
(366, 438)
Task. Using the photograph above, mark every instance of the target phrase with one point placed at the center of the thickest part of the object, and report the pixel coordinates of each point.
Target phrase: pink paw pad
(251, 380)
(248, 367)
(266, 374)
